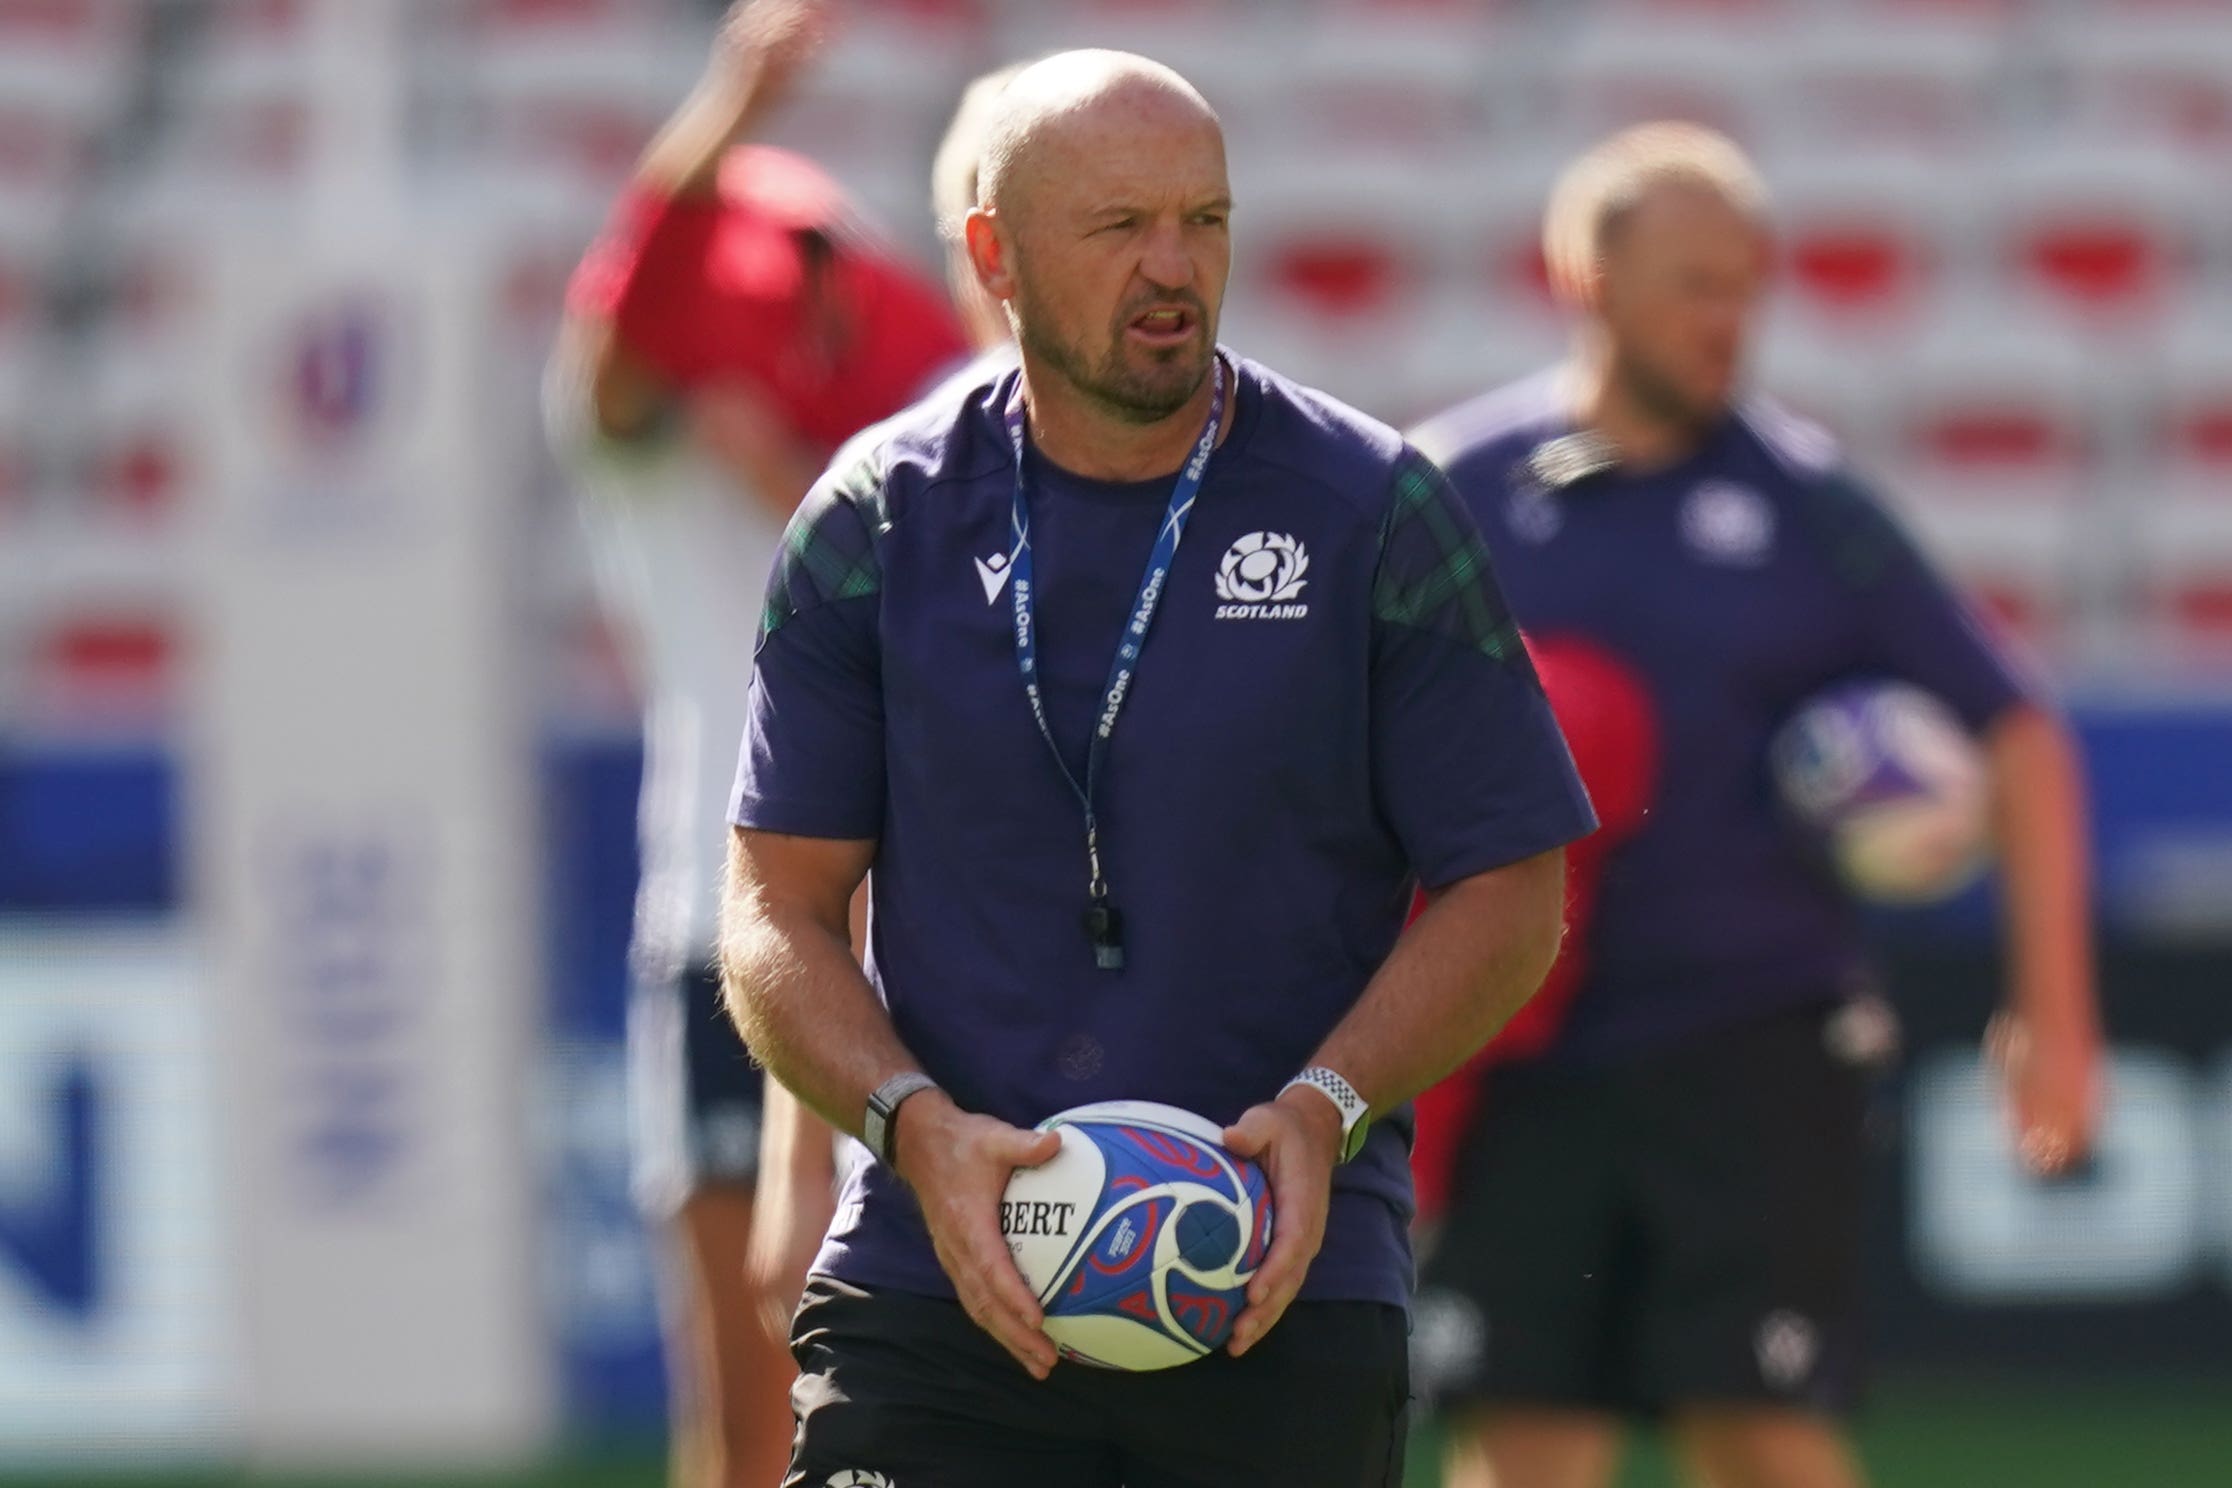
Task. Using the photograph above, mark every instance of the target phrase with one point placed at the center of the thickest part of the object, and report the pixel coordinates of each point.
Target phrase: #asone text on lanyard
(1104, 927)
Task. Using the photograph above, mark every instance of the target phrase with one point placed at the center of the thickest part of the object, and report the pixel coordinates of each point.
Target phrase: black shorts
(1677, 1230)
(696, 1099)
(902, 1391)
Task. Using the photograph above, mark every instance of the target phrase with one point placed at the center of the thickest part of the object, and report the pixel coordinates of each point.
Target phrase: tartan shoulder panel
(1863, 543)
(1434, 570)
(829, 548)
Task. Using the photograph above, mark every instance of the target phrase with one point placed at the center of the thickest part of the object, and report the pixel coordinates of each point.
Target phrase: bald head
(1101, 227)
(1071, 105)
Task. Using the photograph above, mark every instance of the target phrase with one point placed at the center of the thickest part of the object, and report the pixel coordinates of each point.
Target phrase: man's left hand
(1296, 1139)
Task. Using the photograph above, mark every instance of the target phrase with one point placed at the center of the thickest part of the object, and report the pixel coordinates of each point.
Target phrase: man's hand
(1296, 1139)
(768, 43)
(2052, 1077)
(762, 51)
(959, 1164)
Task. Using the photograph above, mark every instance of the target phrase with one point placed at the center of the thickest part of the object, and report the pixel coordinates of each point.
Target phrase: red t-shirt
(708, 291)
(1609, 725)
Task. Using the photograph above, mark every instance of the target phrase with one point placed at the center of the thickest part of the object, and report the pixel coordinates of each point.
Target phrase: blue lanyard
(1103, 925)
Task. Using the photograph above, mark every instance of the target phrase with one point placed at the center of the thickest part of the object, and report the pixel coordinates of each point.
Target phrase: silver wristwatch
(883, 1105)
(1356, 1114)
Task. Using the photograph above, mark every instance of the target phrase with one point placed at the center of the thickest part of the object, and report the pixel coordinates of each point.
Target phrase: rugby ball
(1139, 1236)
(1894, 786)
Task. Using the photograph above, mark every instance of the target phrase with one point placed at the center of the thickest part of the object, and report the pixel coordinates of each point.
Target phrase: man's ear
(990, 252)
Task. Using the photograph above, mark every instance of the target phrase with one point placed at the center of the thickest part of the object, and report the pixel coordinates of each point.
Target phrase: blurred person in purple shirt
(1658, 1215)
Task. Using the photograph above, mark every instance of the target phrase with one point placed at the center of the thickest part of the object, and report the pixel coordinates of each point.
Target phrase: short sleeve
(812, 760)
(1468, 763)
(1916, 627)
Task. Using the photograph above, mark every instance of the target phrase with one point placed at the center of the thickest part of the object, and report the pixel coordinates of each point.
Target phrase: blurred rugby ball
(1894, 784)
(1139, 1236)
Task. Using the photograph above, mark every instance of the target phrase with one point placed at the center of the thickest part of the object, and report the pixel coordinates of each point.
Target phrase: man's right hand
(959, 1164)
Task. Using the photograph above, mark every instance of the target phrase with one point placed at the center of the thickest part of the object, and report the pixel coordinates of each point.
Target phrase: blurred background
(318, 763)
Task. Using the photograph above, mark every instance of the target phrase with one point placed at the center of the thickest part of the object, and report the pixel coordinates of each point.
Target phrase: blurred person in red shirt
(734, 324)
(797, 1195)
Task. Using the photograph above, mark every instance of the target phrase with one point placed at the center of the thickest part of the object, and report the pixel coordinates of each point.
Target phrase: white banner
(362, 826)
(115, 1324)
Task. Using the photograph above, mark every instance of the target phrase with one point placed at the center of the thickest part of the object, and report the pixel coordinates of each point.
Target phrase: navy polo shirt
(1332, 706)
(1738, 582)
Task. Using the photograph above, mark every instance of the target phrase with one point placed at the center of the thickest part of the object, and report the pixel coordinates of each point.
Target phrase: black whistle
(1104, 927)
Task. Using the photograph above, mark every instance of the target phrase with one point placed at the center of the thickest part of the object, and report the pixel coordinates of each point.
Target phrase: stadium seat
(1417, 78)
(94, 670)
(16, 469)
(1339, 238)
(1987, 410)
(1485, 216)
(901, 45)
(1864, 243)
(22, 266)
(2195, 434)
(253, 47)
(42, 157)
(2103, 240)
(585, 78)
(1708, 10)
(1237, 54)
(243, 113)
(2183, 578)
(1630, 67)
(68, 62)
(2146, 76)
(141, 263)
(128, 463)
(1875, 76)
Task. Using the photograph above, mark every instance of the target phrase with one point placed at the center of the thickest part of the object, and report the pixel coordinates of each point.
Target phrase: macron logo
(993, 573)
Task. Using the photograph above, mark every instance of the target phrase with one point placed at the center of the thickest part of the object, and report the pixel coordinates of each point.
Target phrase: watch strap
(883, 1106)
(1356, 1112)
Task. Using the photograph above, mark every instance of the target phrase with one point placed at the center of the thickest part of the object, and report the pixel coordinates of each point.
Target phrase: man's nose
(1165, 262)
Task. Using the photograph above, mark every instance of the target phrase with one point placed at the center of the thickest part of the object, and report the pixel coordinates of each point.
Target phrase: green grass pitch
(2178, 1435)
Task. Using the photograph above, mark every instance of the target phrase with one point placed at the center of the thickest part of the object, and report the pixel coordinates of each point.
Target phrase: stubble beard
(1663, 399)
(1135, 394)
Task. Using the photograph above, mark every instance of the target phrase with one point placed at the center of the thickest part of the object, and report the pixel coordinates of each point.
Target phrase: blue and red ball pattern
(1217, 1208)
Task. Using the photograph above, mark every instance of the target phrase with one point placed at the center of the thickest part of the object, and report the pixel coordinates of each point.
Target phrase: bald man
(1175, 871)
